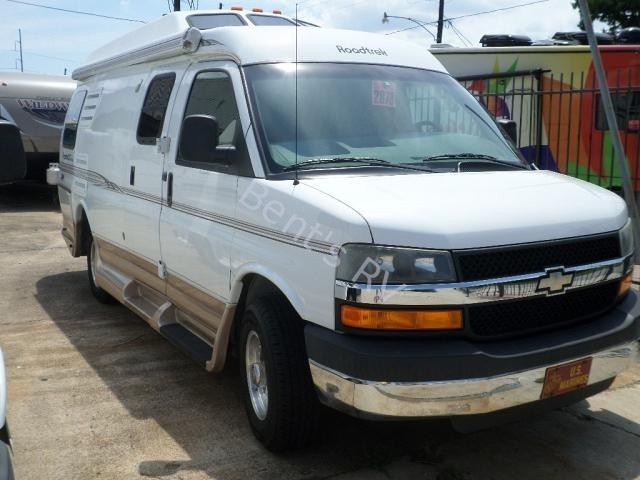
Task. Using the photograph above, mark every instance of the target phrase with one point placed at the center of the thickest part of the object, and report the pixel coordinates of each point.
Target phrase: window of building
(627, 109)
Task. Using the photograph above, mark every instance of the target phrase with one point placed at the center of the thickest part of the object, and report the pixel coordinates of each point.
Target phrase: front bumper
(418, 378)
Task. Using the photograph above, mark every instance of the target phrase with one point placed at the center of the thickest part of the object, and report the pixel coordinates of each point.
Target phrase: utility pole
(176, 5)
(440, 21)
(20, 43)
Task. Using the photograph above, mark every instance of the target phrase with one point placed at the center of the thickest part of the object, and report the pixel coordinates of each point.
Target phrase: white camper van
(337, 211)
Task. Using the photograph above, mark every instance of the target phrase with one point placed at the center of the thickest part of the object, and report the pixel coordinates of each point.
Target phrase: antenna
(296, 181)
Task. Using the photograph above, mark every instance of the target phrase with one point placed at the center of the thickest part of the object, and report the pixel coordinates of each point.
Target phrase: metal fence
(560, 122)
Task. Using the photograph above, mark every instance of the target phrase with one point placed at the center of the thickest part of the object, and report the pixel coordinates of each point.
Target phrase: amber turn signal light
(379, 319)
(625, 284)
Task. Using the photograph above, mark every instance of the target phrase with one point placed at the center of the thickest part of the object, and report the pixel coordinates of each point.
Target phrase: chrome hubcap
(256, 375)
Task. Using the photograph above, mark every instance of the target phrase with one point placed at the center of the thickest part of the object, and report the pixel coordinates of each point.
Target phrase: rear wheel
(280, 400)
(93, 257)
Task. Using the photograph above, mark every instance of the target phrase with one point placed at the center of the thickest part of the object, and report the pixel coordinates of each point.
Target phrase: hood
(471, 210)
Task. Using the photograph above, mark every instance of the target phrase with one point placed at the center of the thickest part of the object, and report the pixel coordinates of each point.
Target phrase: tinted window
(155, 108)
(268, 20)
(204, 22)
(627, 109)
(212, 94)
(71, 121)
(391, 113)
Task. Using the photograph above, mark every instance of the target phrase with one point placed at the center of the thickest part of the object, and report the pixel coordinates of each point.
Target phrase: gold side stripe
(271, 234)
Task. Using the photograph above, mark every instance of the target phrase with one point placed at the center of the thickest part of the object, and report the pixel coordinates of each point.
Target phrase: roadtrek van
(334, 209)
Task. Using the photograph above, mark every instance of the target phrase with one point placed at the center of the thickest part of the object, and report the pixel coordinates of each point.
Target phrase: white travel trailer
(32, 111)
(336, 210)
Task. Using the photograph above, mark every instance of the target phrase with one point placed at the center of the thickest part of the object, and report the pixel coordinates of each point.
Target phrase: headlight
(372, 264)
(626, 239)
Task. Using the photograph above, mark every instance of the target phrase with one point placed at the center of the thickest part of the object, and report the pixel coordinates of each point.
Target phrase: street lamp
(386, 17)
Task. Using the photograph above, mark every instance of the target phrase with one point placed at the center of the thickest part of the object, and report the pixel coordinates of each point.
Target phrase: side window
(627, 109)
(154, 108)
(212, 95)
(205, 22)
(72, 118)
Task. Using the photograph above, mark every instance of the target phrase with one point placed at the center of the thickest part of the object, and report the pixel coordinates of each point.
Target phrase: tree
(615, 13)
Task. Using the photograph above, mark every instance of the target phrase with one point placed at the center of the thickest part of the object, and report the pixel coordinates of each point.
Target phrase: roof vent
(629, 35)
(580, 38)
(505, 41)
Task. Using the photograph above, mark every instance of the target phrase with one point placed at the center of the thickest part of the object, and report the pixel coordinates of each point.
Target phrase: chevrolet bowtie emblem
(555, 281)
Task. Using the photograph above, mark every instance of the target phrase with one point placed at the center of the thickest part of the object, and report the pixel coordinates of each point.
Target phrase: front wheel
(93, 257)
(281, 403)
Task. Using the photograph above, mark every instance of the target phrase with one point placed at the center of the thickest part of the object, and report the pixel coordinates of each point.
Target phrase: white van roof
(173, 35)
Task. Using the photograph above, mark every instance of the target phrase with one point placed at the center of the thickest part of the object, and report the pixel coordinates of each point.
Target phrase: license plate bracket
(567, 377)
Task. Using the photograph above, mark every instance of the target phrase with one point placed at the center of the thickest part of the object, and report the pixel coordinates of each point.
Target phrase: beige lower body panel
(134, 281)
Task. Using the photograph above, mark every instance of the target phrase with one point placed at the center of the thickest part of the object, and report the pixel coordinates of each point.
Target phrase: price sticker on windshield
(383, 94)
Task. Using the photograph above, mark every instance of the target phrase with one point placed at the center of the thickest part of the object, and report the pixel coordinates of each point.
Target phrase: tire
(290, 417)
(101, 295)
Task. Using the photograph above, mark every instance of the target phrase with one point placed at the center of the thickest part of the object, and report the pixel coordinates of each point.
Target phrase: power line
(459, 34)
(497, 10)
(76, 11)
(27, 52)
(472, 15)
(316, 3)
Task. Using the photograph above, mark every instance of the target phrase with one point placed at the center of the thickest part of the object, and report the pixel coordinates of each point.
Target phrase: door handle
(132, 175)
(170, 189)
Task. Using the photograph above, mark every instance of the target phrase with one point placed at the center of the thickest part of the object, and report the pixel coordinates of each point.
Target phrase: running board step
(186, 341)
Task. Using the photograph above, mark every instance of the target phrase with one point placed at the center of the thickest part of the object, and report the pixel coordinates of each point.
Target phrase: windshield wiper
(468, 156)
(365, 160)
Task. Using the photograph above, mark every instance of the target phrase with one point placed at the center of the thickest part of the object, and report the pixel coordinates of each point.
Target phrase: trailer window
(205, 22)
(627, 109)
(71, 121)
(154, 108)
(270, 21)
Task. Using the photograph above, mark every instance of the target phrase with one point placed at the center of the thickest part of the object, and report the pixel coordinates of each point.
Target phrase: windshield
(396, 114)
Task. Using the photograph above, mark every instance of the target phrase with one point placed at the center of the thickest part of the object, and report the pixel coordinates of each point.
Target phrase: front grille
(507, 261)
(540, 313)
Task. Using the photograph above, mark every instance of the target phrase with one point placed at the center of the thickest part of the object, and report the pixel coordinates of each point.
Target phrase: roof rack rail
(185, 42)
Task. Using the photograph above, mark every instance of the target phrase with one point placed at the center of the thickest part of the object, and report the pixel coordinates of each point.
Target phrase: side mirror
(510, 127)
(199, 140)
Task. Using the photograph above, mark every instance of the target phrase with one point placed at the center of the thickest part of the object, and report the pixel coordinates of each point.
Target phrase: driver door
(199, 196)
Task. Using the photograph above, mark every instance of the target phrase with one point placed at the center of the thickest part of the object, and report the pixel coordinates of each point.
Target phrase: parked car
(32, 110)
(334, 208)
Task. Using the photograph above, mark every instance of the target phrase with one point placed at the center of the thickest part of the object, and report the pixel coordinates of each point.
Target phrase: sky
(54, 41)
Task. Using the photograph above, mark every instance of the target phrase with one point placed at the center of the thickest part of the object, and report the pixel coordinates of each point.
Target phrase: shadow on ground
(203, 412)
(28, 197)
